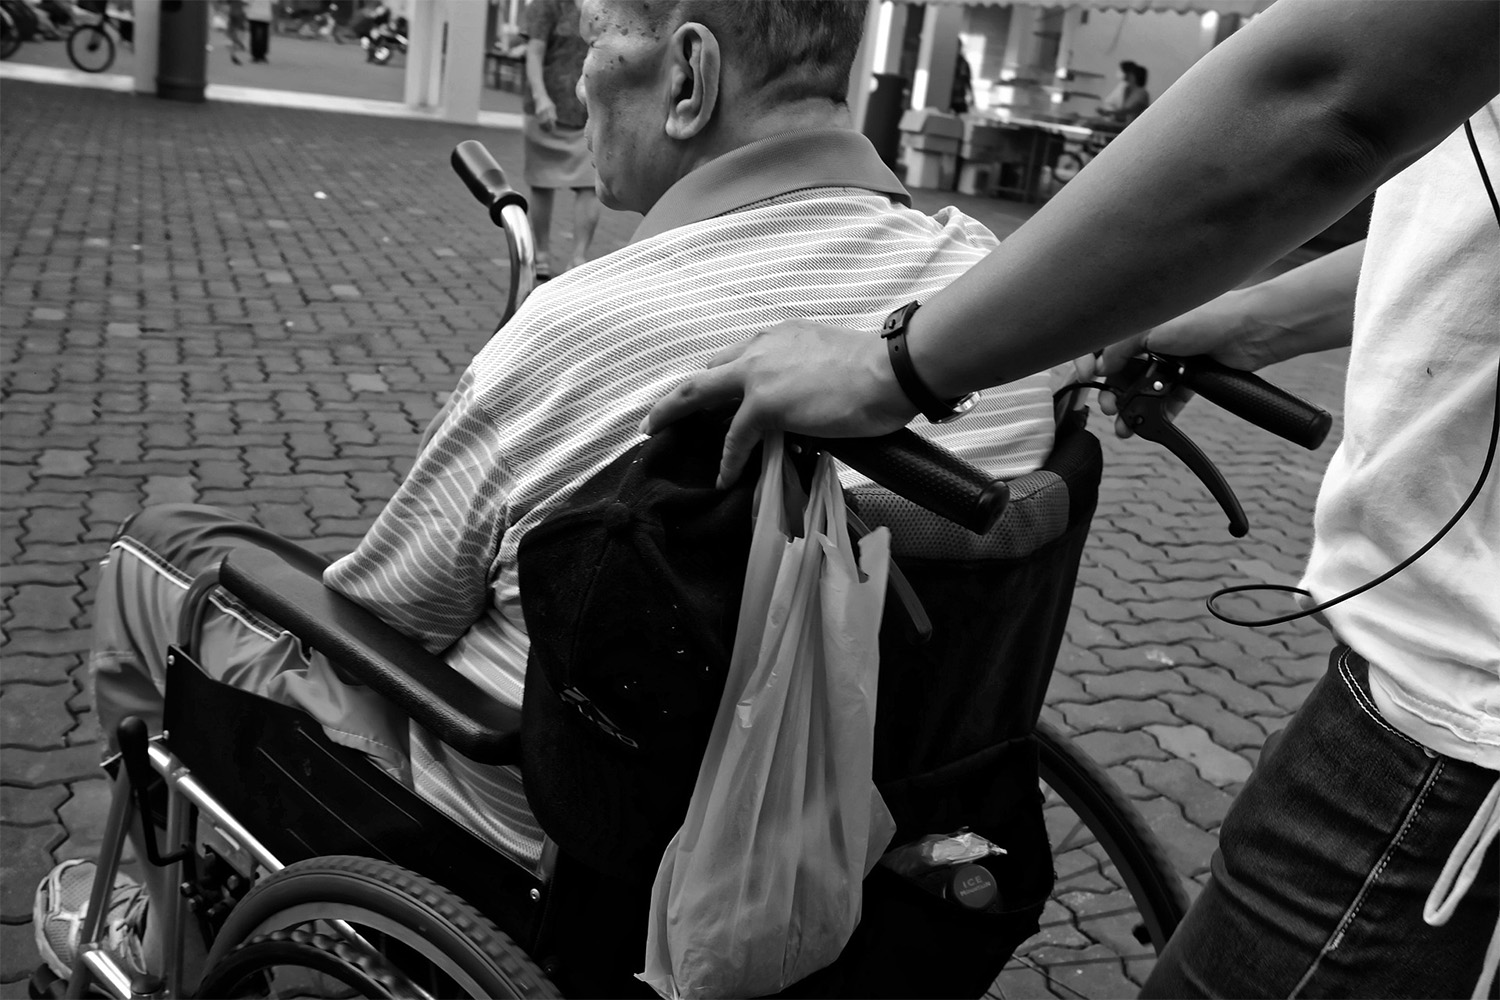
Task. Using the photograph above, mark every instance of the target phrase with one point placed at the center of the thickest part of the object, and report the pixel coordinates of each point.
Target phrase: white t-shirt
(1419, 407)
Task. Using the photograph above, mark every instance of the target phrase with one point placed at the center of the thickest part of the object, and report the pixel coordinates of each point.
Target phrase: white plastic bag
(763, 884)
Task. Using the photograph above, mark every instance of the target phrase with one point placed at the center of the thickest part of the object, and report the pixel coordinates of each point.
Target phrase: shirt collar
(780, 164)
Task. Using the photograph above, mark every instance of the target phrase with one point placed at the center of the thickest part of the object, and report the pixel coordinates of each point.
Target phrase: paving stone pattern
(261, 308)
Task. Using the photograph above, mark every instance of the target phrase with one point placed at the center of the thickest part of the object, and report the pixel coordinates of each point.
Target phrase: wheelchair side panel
(305, 796)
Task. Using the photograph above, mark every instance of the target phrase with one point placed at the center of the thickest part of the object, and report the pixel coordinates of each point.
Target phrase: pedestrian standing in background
(962, 98)
(258, 13)
(235, 29)
(557, 153)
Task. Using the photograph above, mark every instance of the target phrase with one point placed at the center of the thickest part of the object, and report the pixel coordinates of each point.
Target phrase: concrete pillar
(147, 44)
(879, 52)
(891, 28)
(182, 51)
(463, 65)
(933, 83)
(424, 46)
(445, 58)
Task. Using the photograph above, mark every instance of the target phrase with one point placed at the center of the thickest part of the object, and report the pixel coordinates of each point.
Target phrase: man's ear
(693, 71)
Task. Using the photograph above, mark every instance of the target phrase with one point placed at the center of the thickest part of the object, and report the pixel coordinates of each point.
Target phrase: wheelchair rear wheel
(1116, 899)
(344, 926)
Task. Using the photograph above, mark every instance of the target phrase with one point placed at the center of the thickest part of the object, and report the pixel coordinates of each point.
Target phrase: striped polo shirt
(804, 225)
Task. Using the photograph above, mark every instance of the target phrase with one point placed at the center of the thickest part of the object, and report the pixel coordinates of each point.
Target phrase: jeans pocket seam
(1352, 913)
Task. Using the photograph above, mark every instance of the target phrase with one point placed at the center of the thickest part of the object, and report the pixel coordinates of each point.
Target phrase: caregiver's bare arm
(1307, 309)
(1268, 139)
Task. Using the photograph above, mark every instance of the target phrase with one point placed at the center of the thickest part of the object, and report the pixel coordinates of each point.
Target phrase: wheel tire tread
(478, 932)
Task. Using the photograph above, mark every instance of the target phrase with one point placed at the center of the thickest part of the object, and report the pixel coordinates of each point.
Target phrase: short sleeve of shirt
(538, 19)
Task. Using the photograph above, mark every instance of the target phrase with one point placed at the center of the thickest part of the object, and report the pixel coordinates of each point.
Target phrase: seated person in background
(1125, 103)
(726, 124)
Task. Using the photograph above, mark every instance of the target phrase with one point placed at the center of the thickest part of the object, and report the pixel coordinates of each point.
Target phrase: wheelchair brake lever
(1141, 402)
(133, 738)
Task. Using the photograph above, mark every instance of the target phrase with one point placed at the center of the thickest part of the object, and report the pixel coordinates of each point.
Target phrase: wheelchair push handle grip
(1252, 398)
(927, 474)
(484, 178)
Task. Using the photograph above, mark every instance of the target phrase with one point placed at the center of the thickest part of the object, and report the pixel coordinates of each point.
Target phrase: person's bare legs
(540, 210)
(585, 222)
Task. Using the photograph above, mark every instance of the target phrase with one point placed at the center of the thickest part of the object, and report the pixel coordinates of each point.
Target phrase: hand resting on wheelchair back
(774, 211)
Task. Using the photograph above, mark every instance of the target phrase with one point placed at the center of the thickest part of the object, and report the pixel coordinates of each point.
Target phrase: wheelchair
(308, 871)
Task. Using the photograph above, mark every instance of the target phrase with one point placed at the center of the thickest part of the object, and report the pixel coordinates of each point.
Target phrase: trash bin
(883, 115)
(182, 59)
(931, 140)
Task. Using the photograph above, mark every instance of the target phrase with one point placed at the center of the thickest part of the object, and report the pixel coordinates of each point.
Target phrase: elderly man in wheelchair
(321, 766)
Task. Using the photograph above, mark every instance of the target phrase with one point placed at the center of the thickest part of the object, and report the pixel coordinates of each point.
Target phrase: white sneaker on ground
(58, 912)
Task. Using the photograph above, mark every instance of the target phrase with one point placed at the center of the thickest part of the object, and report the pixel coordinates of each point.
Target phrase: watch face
(960, 406)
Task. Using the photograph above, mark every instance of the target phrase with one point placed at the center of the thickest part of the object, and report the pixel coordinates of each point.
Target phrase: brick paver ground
(297, 64)
(261, 309)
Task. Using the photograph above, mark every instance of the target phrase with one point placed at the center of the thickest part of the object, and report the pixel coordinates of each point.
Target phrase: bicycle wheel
(1116, 899)
(91, 48)
(1067, 166)
(289, 937)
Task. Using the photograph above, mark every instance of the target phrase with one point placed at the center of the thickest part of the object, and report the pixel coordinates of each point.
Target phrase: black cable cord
(1489, 460)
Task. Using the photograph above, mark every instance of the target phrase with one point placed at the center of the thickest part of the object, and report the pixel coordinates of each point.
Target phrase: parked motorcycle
(383, 37)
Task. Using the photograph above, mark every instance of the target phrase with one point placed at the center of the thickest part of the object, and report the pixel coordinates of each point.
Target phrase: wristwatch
(938, 411)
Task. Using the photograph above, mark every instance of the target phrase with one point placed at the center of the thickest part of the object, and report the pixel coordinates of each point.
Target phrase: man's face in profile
(621, 86)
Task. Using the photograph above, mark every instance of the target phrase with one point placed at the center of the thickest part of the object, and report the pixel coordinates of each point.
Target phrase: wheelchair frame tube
(93, 964)
(522, 256)
(179, 832)
(182, 782)
(184, 790)
(101, 971)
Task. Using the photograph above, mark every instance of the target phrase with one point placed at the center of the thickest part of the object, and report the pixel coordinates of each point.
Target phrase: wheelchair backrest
(999, 604)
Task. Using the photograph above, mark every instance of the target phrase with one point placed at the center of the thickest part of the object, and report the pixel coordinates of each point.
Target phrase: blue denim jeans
(1326, 859)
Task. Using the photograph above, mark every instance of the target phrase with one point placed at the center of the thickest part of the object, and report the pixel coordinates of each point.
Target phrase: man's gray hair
(792, 49)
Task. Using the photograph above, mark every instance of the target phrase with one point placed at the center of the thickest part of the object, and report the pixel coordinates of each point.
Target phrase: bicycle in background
(91, 47)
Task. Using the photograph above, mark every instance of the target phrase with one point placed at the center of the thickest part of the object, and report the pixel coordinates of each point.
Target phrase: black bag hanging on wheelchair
(631, 592)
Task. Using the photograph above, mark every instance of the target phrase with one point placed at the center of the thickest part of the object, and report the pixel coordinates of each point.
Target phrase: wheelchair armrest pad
(438, 698)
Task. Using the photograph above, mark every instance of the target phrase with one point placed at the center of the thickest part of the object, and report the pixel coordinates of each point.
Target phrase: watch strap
(927, 403)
